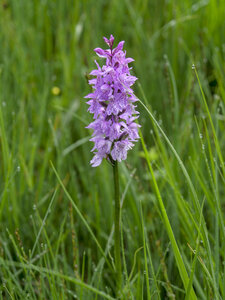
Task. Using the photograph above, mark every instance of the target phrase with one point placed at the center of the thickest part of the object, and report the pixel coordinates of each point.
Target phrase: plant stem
(117, 227)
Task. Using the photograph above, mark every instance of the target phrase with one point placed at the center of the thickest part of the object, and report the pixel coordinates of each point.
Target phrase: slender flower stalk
(114, 127)
(117, 226)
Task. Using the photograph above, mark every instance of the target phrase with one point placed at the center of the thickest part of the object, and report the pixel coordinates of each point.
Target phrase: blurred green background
(46, 53)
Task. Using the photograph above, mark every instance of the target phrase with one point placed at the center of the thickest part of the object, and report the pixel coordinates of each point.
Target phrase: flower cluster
(111, 103)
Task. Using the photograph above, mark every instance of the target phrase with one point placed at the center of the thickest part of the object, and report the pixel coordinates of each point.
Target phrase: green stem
(117, 227)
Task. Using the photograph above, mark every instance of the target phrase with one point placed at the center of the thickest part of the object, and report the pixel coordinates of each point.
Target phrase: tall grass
(56, 212)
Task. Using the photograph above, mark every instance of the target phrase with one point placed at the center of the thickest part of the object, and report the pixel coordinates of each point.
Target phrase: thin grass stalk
(177, 255)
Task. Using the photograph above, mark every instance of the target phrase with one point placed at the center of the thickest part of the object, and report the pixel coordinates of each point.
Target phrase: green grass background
(56, 234)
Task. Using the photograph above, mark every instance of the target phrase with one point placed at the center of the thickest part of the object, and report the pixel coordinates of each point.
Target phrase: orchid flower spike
(112, 105)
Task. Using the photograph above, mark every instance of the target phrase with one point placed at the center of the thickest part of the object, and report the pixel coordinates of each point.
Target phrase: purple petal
(119, 47)
(110, 41)
(100, 52)
(96, 161)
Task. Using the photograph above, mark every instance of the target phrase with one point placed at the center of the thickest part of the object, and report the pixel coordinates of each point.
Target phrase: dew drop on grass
(203, 147)
(200, 135)
(193, 67)
(18, 168)
(34, 207)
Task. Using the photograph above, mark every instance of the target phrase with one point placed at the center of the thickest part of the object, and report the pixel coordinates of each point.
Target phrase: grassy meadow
(56, 211)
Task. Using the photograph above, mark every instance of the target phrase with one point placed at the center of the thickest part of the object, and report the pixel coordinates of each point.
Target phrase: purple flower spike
(112, 105)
